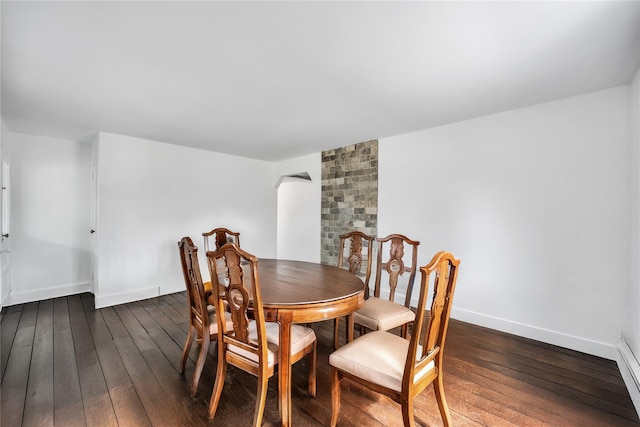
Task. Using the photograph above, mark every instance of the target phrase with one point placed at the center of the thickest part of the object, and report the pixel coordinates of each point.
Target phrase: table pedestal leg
(284, 368)
(350, 326)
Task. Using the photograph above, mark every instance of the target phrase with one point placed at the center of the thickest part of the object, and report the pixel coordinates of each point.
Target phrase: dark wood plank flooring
(65, 364)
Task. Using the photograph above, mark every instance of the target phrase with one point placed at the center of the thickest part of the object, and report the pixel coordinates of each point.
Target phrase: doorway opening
(298, 218)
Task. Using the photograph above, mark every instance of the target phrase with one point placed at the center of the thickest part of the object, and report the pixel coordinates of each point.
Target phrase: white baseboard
(584, 345)
(166, 290)
(13, 298)
(4, 299)
(102, 301)
(630, 371)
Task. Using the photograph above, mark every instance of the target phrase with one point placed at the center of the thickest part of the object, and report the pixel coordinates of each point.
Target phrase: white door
(5, 250)
(93, 200)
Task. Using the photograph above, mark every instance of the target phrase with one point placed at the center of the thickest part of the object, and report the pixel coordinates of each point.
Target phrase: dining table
(303, 292)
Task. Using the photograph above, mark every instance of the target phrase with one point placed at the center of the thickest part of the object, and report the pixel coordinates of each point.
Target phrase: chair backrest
(429, 337)
(241, 292)
(392, 265)
(353, 261)
(221, 237)
(198, 315)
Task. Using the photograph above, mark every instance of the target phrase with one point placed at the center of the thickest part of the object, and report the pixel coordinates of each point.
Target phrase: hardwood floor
(65, 364)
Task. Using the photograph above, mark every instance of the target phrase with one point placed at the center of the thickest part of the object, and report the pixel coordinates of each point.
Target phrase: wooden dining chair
(220, 237)
(397, 367)
(251, 344)
(382, 314)
(203, 325)
(354, 257)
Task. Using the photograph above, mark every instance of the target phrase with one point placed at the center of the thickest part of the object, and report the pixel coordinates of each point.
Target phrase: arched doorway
(298, 217)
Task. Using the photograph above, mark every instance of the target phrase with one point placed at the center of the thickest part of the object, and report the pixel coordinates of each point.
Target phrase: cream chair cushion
(381, 315)
(213, 322)
(378, 357)
(301, 336)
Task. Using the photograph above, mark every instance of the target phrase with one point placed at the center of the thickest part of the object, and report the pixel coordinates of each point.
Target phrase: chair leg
(335, 396)
(219, 384)
(404, 330)
(438, 388)
(187, 349)
(261, 398)
(312, 370)
(202, 356)
(407, 413)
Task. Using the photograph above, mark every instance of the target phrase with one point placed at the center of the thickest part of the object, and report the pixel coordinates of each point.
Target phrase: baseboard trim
(630, 371)
(13, 298)
(172, 290)
(584, 345)
(102, 301)
(4, 300)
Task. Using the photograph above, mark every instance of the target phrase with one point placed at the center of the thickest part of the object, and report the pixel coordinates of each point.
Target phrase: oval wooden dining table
(303, 292)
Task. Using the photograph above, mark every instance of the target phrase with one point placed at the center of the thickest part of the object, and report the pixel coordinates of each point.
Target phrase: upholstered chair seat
(301, 337)
(385, 366)
(381, 315)
(213, 323)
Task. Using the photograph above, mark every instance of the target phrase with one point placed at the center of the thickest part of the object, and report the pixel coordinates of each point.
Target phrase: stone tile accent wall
(349, 195)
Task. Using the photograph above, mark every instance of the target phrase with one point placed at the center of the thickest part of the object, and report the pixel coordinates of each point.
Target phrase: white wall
(50, 250)
(299, 208)
(151, 194)
(630, 342)
(534, 202)
(632, 319)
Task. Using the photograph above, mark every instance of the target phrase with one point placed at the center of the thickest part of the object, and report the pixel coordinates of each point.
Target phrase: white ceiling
(275, 80)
